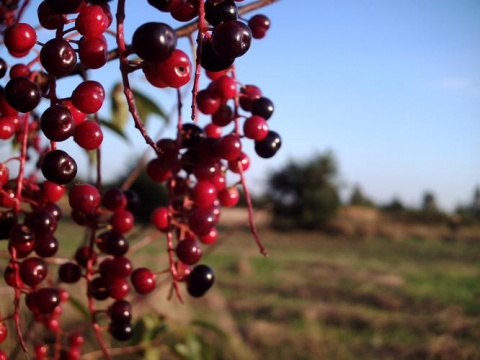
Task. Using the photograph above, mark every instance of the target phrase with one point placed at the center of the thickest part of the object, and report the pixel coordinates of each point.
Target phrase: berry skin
(59, 167)
(51, 192)
(160, 219)
(84, 198)
(7, 128)
(231, 39)
(229, 147)
(154, 41)
(216, 13)
(120, 312)
(269, 146)
(91, 21)
(175, 71)
(118, 288)
(58, 57)
(22, 94)
(3, 332)
(113, 243)
(262, 107)
(225, 87)
(200, 280)
(88, 96)
(48, 18)
(120, 331)
(211, 61)
(32, 271)
(69, 272)
(255, 128)
(188, 251)
(187, 12)
(207, 102)
(20, 38)
(204, 194)
(143, 280)
(259, 24)
(229, 197)
(167, 5)
(65, 6)
(57, 123)
(201, 221)
(122, 221)
(93, 52)
(46, 300)
(114, 199)
(88, 135)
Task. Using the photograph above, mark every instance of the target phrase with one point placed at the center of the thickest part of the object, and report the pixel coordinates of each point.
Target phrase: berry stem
(196, 80)
(124, 69)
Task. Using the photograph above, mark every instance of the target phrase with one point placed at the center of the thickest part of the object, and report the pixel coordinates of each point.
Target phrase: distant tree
(304, 194)
(358, 198)
(429, 203)
(395, 205)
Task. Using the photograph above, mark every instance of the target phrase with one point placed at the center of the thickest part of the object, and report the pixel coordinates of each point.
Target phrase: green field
(316, 297)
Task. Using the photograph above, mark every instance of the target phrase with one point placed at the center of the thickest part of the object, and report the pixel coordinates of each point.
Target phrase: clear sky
(392, 88)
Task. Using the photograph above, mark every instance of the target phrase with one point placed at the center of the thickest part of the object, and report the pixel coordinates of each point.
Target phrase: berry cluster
(196, 165)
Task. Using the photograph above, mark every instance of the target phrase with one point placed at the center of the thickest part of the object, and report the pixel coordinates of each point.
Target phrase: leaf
(79, 307)
(119, 106)
(146, 107)
(115, 129)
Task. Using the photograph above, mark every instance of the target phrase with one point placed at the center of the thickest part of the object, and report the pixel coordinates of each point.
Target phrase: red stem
(196, 80)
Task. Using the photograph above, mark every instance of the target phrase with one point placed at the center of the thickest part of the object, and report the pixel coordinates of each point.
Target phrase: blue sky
(392, 88)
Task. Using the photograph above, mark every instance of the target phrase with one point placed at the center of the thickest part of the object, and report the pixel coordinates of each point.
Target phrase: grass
(316, 297)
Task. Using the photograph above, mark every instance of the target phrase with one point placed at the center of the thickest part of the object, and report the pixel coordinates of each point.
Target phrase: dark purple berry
(231, 39)
(154, 41)
(59, 167)
(268, 146)
(200, 280)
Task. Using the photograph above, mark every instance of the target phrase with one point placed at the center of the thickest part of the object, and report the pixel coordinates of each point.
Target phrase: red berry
(204, 194)
(160, 219)
(188, 251)
(259, 24)
(209, 238)
(158, 170)
(3, 332)
(92, 21)
(20, 38)
(225, 87)
(88, 134)
(207, 102)
(93, 52)
(229, 197)
(51, 192)
(88, 96)
(114, 199)
(122, 221)
(57, 123)
(32, 271)
(175, 71)
(7, 127)
(255, 128)
(229, 147)
(58, 57)
(84, 198)
(143, 280)
(118, 288)
(213, 131)
(242, 163)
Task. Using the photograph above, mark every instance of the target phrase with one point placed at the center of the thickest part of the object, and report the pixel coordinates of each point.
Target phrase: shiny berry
(48, 18)
(46, 245)
(84, 198)
(114, 199)
(259, 24)
(120, 312)
(187, 12)
(255, 127)
(122, 221)
(93, 52)
(22, 94)
(154, 41)
(231, 39)
(65, 6)
(20, 38)
(32, 271)
(200, 221)
(229, 147)
(262, 107)
(121, 331)
(91, 21)
(269, 146)
(59, 167)
(69, 272)
(58, 57)
(88, 135)
(176, 70)
(167, 5)
(88, 96)
(143, 280)
(188, 251)
(210, 60)
(204, 194)
(98, 288)
(200, 280)
(216, 13)
(207, 102)
(160, 219)
(57, 123)
(46, 300)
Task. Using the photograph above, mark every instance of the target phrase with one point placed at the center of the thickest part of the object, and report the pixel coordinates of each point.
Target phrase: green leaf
(120, 113)
(77, 304)
(146, 107)
(115, 129)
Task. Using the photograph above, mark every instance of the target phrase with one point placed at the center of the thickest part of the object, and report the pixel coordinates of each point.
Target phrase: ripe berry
(191, 135)
(65, 6)
(93, 52)
(122, 221)
(143, 280)
(210, 60)
(187, 12)
(200, 221)
(48, 18)
(51, 192)
(175, 71)
(58, 57)
(57, 123)
(114, 199)
(213, 131)
(7, 127)
(158, 170)
(215, 13)
(88, 135)
(32, 271)
(41, 221)
(19, 70)
(262, 107)
(225, 87)
(3, 332)
(204, 194)
(209, 238)
(269, 146)
(84, 198)
(255, 128)
(231, 39)
(20, 38)
(22, 94)
(120, 312)
(167, 5)
(59, 167)
(229, 147)
(121, 331)
(83, 255)
(91, 21)
(229, 197)
(207, 102)
(46, 245)
(223, 116)
(160, 219)
(98, 288)
(118, 288)
(88, 96)
(154, 41)
(259, 24)
(188, 251)
(46, 300)
(200, 280)
(69, 272)
(113, 243)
